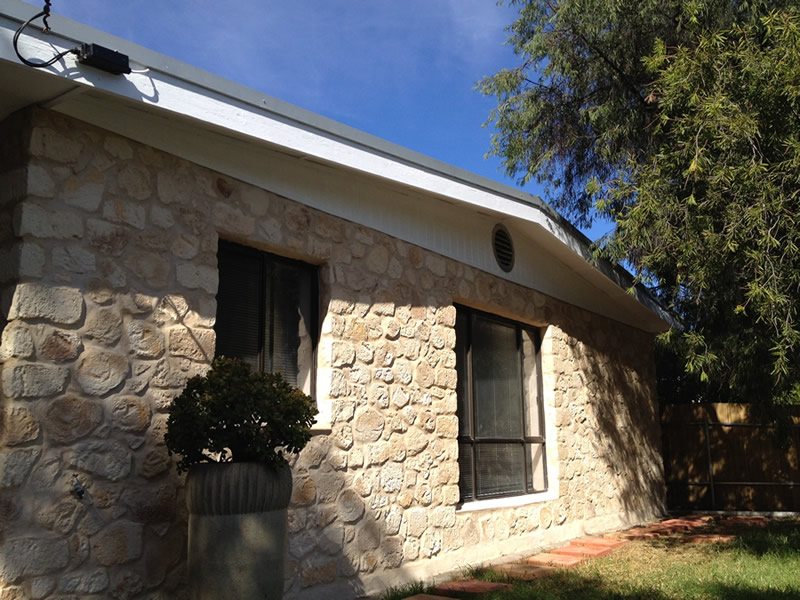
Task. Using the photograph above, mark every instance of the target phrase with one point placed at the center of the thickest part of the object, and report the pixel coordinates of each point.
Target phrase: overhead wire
(45, 14)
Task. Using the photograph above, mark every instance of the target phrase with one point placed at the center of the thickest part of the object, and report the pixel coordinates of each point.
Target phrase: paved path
(583, 549)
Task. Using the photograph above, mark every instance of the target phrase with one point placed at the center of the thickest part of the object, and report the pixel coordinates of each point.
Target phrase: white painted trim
(510, 501)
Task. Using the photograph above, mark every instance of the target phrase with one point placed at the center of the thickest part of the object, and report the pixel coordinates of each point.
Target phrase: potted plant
(230, 429)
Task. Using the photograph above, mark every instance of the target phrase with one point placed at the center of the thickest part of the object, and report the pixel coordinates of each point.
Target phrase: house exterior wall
(112, 309)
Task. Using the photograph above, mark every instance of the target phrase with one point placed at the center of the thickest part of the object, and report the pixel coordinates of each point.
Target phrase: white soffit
(209, 103)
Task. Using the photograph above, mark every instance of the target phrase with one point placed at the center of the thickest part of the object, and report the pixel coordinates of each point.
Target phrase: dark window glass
(501, 429)
(266, 312)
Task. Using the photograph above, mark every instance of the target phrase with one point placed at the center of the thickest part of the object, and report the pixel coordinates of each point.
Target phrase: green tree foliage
(680, 120)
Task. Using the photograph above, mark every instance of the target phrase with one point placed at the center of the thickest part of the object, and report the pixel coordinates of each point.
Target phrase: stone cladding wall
(111, 309)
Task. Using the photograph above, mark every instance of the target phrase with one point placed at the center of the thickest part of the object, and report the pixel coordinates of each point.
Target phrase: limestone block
(411, 549)
(17, 342)
(118, 543)
(301, 544)
(362, 484)
(385, 375)
(447, 426)
(545, 517)
(60, 305)
(168, 375)
(194, 276)
(45, 474)
(378, 453)
(16, 465)
(379, 395)
(368, 536)
(61, 346)
(106, 237)
(416, 441)
(403, 372)
(377, 259)
(449, 494)
(60, 517)
(342, 354)
(392, 552)
(135, 181)
(33, 381)
(130, 413)
(318, 571)
(331, 540)
(125, 584)
(154, 463)
(73, 260)
(304, 491)
(369, 426)
(41, 587)
(100, 372)
(104, 326)
(47, 142)
(18, 426)
(161, 217)
(30, 260)
(84, 582)
(405, 498)
(31, 556)
(446, 378)
(392, 478)
(297, 218)
(423, 494)
(151, 505)
(40, 183)
(150, 267)
(443, 516)
(185, 246)
(231, 220)
(47, 223)
(393, 519)
(328, 485)
(145, 339)
(109, 459)
(446, 316)
(343, 437)
(424, 375)
(416, 522)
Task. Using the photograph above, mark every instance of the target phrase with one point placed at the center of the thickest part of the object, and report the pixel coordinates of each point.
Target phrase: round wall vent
(503, 247)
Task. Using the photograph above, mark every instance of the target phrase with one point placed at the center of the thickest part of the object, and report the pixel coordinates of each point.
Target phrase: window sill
(508, 502)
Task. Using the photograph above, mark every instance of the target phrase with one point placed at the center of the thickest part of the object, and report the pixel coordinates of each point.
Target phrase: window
(501, 442)
(266, 312)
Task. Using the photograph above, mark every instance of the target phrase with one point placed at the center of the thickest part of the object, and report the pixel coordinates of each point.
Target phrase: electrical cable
(45, 14)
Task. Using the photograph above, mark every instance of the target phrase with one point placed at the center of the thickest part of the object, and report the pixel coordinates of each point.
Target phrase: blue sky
(403, 70)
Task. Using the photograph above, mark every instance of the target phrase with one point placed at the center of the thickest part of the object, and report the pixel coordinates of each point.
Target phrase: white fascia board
(216, 103)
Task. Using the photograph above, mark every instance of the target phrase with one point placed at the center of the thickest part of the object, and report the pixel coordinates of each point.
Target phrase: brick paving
(551, 559)
(583, 549)
(469, 588)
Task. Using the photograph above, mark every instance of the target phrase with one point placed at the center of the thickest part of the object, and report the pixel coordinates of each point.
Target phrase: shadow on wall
(616, 415)
(89, 500)
(391, 447)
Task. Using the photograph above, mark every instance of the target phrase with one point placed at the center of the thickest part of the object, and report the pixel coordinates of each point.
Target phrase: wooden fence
(728, 457)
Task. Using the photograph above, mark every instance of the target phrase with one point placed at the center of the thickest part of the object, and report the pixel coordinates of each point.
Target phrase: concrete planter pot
(237, 530)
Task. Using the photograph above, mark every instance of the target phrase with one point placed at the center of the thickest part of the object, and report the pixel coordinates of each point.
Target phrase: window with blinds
(266, 312)
(501, 441)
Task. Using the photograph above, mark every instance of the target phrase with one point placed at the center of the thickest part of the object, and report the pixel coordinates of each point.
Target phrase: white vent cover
(503, 248)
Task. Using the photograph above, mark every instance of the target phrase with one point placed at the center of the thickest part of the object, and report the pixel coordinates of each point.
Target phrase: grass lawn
(762, 563)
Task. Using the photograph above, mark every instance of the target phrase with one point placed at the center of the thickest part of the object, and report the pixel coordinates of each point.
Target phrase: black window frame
(266, 305)
(525, 440)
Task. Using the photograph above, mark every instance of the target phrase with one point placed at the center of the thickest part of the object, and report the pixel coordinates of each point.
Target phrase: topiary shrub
(234, 414)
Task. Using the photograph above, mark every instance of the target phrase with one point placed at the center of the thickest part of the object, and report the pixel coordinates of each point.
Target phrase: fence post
(710, 464)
